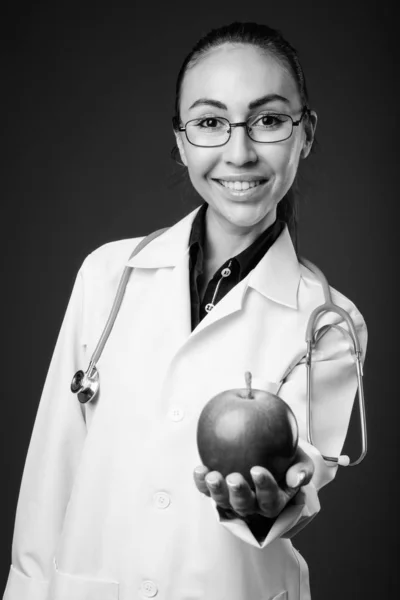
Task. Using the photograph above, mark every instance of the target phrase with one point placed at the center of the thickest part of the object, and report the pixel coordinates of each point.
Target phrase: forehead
(237, 75)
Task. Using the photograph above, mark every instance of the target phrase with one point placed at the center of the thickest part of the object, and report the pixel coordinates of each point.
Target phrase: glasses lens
(211, 131)
(271, 127)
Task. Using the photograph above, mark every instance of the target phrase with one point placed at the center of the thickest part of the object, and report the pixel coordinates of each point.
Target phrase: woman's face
(225, 84)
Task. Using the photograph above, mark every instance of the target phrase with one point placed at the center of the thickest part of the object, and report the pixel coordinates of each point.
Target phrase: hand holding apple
(247, 440)
(265, 497)
(241, 428)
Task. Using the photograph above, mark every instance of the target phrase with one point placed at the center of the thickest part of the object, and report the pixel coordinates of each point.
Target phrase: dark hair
(269, 41)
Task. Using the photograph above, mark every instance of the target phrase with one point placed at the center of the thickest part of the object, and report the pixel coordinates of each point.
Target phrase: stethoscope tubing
(310, 339)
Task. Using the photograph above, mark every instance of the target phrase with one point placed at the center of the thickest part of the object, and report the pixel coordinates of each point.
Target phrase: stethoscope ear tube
(329, 306)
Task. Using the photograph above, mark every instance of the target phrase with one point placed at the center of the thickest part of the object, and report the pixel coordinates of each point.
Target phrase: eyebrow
(254, 104)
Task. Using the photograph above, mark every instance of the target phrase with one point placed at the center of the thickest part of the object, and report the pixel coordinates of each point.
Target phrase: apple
(243, 428)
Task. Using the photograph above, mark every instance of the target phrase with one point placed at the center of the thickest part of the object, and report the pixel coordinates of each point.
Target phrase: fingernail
(234, 486)
(258, 476)
(300, 478)
(256, 473)
(213, 482)
(199, 470)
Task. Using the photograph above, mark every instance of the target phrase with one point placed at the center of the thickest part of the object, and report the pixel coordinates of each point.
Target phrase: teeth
(240, 186)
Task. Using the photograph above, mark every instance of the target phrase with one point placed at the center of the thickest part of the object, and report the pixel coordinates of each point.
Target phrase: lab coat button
(162, 500)
(148, 589)
(176, 414)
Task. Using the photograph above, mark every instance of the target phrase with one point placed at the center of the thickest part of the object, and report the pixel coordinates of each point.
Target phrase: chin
(247, 215)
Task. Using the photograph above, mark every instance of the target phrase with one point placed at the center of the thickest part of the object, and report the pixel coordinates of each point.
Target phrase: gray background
(87, 103)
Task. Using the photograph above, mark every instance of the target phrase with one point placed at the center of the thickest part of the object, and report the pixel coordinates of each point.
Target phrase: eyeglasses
(265, 128)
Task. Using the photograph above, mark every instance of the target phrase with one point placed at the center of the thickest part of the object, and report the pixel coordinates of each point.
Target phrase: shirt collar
(249, 257)
(276, 276)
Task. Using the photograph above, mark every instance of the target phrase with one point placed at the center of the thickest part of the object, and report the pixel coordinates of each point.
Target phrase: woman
(114, 503)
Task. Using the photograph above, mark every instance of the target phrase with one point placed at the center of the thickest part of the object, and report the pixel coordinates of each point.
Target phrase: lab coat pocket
(73, 587)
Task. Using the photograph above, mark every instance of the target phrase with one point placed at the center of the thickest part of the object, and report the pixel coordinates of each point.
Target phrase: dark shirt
(235, 268)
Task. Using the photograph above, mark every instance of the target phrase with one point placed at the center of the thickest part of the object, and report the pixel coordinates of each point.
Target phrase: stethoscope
(86, 384)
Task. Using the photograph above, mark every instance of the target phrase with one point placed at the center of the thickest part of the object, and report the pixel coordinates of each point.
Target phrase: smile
(239, 186)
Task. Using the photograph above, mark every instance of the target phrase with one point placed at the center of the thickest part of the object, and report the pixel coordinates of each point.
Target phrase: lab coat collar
(167, 249)
(276, 276)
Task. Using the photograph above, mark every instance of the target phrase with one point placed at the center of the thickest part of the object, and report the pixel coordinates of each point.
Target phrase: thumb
(301, 471)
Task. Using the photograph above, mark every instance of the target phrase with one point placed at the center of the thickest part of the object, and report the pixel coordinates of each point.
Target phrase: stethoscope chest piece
(86, 385)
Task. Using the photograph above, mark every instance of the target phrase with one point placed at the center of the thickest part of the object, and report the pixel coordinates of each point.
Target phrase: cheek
(284, 160)
(200, 161)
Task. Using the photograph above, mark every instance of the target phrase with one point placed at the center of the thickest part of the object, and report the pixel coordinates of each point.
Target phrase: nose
(240, 148)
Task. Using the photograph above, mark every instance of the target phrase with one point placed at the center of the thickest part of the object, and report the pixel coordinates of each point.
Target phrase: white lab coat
(108, 508)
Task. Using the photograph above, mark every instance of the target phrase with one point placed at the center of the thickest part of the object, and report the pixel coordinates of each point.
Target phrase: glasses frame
(175, 123)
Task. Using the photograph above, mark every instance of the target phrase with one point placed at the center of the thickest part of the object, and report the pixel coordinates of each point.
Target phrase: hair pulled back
(271, 42)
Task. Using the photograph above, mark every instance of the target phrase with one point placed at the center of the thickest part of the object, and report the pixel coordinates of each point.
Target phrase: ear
(181, 148)
(310, 125)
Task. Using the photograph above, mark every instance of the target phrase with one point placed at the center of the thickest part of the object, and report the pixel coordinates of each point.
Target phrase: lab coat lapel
(170, 251)
(228, 305)
(276, 277)
(169, 255)
(177, 302)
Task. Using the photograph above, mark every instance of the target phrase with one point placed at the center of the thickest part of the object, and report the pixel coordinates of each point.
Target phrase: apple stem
(247, 377)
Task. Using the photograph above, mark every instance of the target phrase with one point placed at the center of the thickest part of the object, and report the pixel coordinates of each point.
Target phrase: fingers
(232, 493)
(218, 489)
(199, 475)
(241, 497)
(301, 472)
(212, 483)
(271, 498)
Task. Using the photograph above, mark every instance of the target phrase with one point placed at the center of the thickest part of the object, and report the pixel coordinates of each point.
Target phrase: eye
(211, 123)
(269, 121)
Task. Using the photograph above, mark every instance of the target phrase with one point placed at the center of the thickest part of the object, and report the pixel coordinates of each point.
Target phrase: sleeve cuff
(21, 587)
(304, 506)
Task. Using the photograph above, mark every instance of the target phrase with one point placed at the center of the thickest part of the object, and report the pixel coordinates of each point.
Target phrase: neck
(223, 240)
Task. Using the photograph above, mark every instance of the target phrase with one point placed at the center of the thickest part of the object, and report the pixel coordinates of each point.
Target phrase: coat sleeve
(334, 380)
(53, 456)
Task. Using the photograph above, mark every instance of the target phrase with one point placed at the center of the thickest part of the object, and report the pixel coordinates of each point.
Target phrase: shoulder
(99, 277)
(109, 259)
(102, 269)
